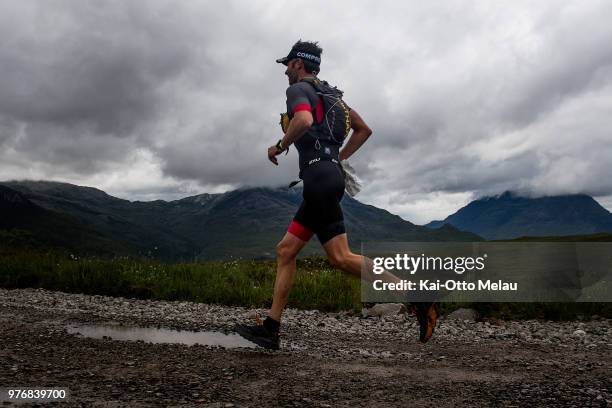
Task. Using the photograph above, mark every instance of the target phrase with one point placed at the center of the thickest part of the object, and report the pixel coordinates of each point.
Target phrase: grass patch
(235, 283)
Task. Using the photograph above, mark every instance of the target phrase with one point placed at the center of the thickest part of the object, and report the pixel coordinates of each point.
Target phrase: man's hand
(272, 153)
(300, 123)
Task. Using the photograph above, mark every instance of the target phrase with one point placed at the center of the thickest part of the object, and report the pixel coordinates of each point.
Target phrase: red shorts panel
(297, 229)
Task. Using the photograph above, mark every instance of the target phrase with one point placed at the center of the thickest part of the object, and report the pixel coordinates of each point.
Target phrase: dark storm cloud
(87, 63)
(78, 77)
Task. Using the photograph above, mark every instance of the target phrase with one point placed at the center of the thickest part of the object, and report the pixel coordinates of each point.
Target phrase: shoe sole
(257, 340)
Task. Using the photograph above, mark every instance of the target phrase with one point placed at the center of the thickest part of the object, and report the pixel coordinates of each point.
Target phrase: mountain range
(245, 223)
(509, 216)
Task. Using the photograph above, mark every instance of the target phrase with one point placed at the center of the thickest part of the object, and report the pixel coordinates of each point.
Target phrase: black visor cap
(293, 54)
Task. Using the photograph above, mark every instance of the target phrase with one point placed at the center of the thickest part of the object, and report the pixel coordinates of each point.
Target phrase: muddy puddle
(155, 335)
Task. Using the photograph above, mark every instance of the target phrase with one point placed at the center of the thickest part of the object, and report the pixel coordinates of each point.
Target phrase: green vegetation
(237, 283)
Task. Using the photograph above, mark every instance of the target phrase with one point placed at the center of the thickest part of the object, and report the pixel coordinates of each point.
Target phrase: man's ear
(299, 64)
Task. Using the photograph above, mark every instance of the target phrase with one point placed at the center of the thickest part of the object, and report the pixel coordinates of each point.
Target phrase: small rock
(463, 314)
(387, 309)
(579, 333)
(253, 314)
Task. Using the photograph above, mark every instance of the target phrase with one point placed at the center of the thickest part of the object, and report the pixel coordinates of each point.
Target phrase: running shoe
(259, 335)
(427, 315)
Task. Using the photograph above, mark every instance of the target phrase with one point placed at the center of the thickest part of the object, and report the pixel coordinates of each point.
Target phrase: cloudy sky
(164, 99)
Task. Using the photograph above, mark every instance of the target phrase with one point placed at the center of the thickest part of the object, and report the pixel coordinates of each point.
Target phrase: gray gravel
(327, 359)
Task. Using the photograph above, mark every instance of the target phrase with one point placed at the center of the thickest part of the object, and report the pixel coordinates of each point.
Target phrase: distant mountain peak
(511, 215)
(513, 195)
(55, 187)
(508, 195)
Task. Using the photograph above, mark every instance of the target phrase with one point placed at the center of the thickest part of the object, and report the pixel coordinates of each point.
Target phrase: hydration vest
(336, 123)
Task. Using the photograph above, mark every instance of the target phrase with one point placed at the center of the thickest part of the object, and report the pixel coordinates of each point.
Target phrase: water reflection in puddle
(153, 335)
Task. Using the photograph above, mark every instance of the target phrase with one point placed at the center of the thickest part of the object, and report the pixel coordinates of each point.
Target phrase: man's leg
(341, 257)
(267, 335)
(286, 253)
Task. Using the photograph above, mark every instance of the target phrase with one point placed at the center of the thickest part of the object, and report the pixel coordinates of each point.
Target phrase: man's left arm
(361, 133)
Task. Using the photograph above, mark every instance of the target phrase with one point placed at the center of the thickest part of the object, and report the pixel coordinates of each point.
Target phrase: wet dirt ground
(327, 360)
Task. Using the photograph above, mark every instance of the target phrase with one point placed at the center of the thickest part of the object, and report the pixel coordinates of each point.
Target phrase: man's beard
(292, 79)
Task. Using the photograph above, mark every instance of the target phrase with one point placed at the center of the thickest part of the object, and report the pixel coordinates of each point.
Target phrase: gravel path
(327, 360)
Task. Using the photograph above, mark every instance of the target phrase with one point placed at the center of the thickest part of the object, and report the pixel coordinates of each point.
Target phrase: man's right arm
(299, 106)
(360, 134)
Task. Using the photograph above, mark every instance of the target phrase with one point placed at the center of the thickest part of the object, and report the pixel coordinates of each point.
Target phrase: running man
(320, 213)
